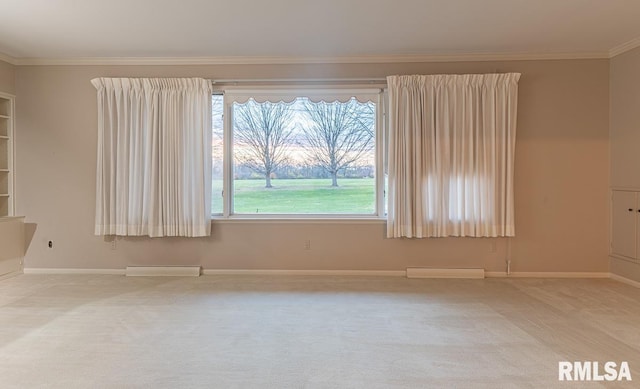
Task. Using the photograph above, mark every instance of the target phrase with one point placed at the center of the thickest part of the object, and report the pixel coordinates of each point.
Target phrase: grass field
(305, 196)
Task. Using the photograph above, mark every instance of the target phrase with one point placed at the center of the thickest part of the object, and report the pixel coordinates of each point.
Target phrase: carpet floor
(81, 331)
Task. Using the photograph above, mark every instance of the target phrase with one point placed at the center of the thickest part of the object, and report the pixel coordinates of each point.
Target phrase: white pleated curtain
(451, 155)
(154, 157)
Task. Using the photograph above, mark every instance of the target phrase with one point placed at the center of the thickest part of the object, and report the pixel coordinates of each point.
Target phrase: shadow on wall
(29, 232)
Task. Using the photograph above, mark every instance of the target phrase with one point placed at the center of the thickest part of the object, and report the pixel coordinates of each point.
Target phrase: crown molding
(623, 48)
(97, 61)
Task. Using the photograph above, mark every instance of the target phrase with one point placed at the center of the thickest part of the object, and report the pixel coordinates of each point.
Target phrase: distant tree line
(291, 171)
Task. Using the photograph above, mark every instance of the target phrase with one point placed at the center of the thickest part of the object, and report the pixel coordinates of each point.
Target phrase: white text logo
(592, 371)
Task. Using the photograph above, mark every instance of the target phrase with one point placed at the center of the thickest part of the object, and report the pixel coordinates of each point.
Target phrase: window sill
(296, 220)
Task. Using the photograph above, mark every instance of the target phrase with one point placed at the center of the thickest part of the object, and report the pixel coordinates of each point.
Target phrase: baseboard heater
(425, 272)
(177, 271)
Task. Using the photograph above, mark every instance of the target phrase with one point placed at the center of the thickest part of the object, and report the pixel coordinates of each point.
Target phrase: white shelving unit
(6, 154)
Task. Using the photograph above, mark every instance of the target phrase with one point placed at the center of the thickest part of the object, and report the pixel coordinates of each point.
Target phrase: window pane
(304, 157)
(216, 153)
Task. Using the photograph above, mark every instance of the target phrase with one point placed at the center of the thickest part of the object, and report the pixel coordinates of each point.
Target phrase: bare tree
(217, 150)
(217, 108)
(217, 128)
(338, 134)
(263, 131)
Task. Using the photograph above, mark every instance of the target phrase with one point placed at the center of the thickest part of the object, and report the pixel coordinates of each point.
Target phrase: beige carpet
(309, 332)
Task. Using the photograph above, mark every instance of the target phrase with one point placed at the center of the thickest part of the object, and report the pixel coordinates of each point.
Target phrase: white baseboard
(177, 271)
(34, 270)
(501, 274)
(625, 280)
(267, 272)
(386, 273)
(424, 272)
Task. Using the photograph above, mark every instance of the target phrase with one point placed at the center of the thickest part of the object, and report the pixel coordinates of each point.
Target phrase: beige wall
(625, 136)
(561, 179)
(7, 78)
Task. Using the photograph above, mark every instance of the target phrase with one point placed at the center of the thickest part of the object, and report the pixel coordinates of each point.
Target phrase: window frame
(232, 95)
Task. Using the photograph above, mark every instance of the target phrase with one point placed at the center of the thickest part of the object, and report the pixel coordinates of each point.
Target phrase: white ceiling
(67, 29)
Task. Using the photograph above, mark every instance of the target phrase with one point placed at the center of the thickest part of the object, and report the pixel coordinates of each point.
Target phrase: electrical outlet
(307, 244)
(50, 244)
(113, 244)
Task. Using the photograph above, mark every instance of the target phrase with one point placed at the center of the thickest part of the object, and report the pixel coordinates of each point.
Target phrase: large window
(294, 153)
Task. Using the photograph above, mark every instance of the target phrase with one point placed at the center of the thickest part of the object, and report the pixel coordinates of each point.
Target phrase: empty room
(319, 194)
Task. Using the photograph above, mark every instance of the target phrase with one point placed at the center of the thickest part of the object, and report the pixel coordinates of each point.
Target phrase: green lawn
(305, 196)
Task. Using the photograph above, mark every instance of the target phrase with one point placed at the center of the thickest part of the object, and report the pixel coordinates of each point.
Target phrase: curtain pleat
(451, 155)
(154, 157)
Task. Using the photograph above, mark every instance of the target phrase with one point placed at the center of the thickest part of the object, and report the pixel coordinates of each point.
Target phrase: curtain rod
(299, 80)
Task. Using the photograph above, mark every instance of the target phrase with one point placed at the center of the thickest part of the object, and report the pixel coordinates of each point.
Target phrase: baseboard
(385, 273)
(424, 272)
(35, 270)
(10, 275)
(625, 280)
(153, 271)
(500, 274)
(266, 272)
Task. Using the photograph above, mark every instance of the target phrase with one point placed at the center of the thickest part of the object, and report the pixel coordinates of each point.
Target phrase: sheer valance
(241, 96)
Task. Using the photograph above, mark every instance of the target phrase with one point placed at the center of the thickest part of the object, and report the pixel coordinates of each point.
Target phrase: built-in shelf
(6, 155)
(11, 244)
(10, 218)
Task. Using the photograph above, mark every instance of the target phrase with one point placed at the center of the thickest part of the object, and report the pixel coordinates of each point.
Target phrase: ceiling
(32, 30)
